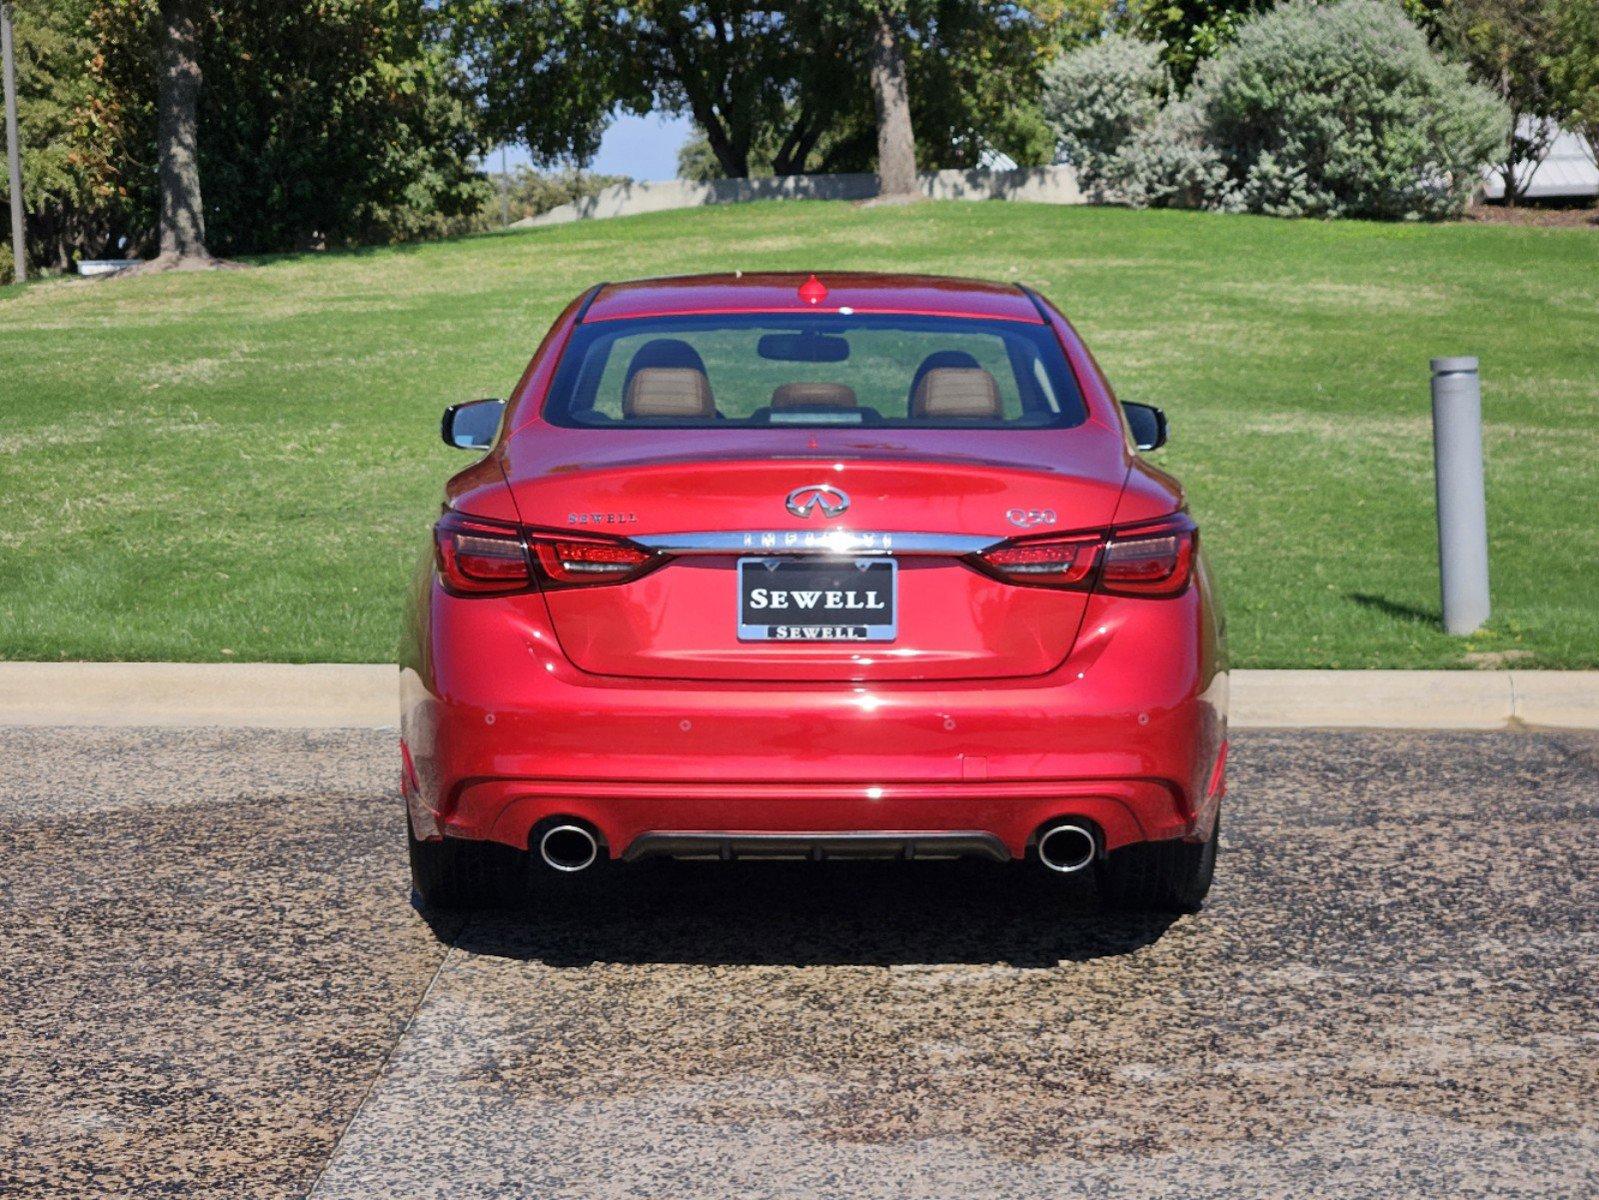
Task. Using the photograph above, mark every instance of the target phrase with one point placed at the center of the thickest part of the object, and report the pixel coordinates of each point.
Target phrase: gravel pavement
(212, 984)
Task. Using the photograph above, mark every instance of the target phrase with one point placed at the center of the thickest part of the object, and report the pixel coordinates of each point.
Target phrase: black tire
(455, 876)
(1169, 876)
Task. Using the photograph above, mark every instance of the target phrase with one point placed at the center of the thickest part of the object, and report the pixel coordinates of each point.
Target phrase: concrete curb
(243, 695)
(333, 695)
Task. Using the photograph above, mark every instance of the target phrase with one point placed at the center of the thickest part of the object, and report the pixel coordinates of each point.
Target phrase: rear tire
(455, 876)
(1169, 876)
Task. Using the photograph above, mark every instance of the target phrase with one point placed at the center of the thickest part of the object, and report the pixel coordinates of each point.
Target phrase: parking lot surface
(212, 983)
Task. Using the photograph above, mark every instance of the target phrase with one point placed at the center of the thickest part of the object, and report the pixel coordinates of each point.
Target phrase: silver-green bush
(1343, 110)
(1099, 99)
(1167, 164)
(1315, 109)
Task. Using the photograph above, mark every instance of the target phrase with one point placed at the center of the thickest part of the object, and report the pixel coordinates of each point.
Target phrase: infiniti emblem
(802, 500)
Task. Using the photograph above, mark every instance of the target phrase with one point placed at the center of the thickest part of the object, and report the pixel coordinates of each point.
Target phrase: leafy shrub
(1342, 110)
(1169, 164)
(1100, 98)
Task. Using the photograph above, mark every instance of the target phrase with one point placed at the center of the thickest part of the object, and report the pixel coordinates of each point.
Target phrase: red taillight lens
(1150, 560)
(477, 557)
(1145, 560)
(584, 562)
(1047, 562)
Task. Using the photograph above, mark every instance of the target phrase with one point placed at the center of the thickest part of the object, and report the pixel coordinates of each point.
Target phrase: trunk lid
(685, 619)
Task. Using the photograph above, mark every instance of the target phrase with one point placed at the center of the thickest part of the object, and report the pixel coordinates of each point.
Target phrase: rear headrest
(951, 392)
(669, 392)
(814, 395)
(667, 352)
(935, 360)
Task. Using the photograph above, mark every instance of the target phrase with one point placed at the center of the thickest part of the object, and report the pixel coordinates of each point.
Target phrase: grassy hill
(242, 465)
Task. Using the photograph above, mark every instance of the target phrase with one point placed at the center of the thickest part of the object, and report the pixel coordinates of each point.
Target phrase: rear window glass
(814, 370)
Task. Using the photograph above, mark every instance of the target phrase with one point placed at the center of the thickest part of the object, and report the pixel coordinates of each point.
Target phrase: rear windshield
(809, 370)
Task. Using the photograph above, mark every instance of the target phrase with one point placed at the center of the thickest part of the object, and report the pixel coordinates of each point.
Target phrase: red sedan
(813, 567)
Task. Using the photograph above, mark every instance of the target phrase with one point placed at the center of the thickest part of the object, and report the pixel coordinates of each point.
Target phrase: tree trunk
(177, 98)
(733, 156)
(896, 144)
(1589, 133)
(1507, 172)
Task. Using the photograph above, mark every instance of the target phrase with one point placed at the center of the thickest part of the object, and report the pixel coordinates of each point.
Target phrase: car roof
(780, 291)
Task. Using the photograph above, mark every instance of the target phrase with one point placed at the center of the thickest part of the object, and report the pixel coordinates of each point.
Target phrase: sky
(642, 147)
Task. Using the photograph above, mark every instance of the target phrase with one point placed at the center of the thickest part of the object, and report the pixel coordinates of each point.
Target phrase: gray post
(19, 248)
(1462, 509)
(505, 191)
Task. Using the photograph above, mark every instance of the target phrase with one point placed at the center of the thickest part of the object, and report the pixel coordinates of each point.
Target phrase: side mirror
(1148, 424)
(472, 426)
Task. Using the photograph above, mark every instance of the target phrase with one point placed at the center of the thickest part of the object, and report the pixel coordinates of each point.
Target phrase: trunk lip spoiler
(849, 542)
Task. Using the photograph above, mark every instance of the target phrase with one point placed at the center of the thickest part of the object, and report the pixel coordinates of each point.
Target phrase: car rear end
(787, 567)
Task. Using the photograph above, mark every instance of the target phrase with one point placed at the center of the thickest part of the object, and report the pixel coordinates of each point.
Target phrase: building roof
(1567, 170)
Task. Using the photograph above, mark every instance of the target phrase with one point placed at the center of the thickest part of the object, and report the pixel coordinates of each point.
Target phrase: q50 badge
(1030, 518)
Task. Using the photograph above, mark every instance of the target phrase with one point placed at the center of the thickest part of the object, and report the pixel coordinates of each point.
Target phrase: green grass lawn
(242, 465)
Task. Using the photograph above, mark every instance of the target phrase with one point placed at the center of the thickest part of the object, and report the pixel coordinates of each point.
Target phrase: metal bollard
(8, 68)
(1462, 509)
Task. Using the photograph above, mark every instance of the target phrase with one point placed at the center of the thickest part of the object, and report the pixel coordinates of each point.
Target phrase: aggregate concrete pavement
(211, 984)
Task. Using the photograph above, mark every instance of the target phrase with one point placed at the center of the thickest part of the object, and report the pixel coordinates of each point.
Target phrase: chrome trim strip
(816, 541)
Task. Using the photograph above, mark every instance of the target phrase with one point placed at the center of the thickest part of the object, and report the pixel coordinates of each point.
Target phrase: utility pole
(19, 248)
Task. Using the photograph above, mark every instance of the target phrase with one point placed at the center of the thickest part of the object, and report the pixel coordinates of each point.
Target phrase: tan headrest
(669, 392)
(956, 392)
(814, 395)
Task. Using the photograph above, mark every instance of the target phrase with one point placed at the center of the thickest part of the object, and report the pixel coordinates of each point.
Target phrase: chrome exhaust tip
(569, 848)
(1067, 847)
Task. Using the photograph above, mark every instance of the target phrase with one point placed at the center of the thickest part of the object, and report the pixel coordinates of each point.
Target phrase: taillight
(479, 557)
(1143, 560)
(1150, 560)
(1047, 562)
(584, 562)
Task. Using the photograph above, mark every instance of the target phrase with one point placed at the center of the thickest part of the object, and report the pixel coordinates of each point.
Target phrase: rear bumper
(506, 810)
(503, 733)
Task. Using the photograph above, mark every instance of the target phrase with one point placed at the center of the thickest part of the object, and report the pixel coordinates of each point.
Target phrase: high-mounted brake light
(1155, 559)
(813, 291)
(479, 557)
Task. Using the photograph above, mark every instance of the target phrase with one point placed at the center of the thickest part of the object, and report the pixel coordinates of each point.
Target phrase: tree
(182, 222)
(1192, 30)
(896, 144)
(780, 86)
(340, 123)
(1574, 70)
(545, 72)
(62, 211)
(747, 73)
(1510, 46)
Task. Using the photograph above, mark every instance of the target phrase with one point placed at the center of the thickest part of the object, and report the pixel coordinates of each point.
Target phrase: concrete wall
(1041, 185)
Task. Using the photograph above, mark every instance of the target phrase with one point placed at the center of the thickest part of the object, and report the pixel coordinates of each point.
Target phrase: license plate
(817, 599)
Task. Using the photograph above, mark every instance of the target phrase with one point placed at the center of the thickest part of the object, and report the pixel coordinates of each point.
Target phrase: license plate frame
(874, 624)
